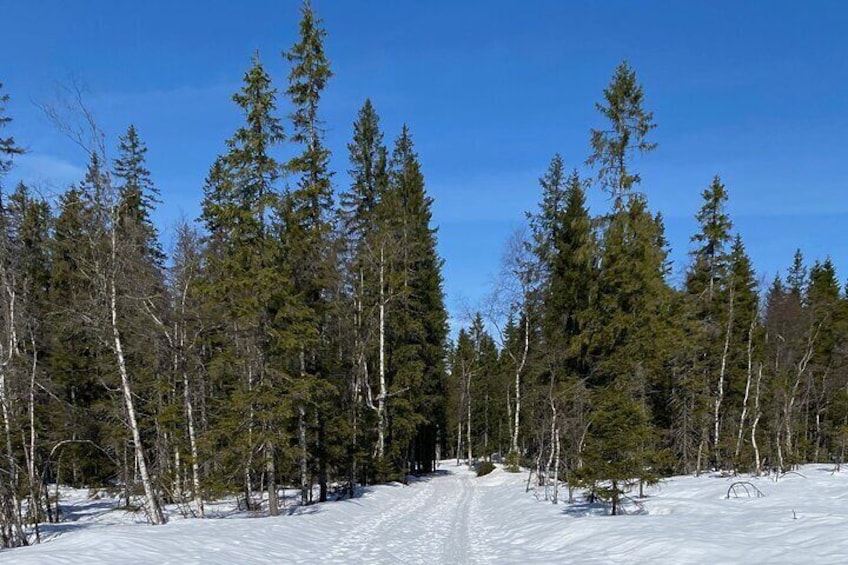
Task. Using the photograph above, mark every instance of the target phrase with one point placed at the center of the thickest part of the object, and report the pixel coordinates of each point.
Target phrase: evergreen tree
(138, 195)
(245, 280)
(8, 147)
(629, 126)
(614, 456)
(710, 258)
(631, 300)
(363, 217)
(713, 311)
(309, 228)
(418, 330)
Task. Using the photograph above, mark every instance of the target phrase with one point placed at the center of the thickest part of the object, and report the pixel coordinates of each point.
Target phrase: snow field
(455, 517)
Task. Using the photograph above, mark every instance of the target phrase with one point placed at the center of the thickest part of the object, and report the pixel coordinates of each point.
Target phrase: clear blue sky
(753, 91)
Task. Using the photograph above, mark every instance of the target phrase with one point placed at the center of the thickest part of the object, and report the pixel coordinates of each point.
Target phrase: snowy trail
(434, 521)
(454, 517)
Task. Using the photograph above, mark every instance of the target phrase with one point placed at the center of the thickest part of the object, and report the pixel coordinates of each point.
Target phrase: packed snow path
(454, 517)
(431, 522)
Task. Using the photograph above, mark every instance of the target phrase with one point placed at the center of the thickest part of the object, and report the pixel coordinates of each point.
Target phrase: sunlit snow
(455, 517)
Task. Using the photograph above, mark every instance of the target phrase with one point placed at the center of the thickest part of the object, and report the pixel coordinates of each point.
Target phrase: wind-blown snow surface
(455, 517)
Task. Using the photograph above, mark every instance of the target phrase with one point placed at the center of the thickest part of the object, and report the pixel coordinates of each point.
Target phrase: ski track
(433, 520)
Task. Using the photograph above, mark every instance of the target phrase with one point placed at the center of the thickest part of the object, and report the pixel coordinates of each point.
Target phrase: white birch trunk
(155, 511)
(748, 381)
(757, 465)
(381, 399)
(720, 389)
(468, 415)
(519, 369)
(556, 469)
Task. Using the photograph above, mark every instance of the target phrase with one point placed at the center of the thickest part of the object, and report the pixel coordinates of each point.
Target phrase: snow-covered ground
(455, 517)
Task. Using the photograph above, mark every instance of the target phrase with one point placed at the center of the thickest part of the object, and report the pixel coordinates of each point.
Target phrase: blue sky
(752, 91)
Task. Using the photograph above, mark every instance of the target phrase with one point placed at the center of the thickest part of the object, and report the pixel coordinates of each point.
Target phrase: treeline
(596, 371)
(289, 339)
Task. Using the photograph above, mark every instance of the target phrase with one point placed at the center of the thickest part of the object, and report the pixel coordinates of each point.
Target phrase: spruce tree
(629, 125)
(247, 284)
(713, 309)
(8, 147)
(308, 239)
(418, 330)
(631, 299)
(138, 195)
(368, 252)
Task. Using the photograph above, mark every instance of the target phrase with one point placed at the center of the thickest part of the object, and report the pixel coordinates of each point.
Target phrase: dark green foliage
(619, 450)
(8, 147)
(418, 327)
(512, 462)
(484, 468)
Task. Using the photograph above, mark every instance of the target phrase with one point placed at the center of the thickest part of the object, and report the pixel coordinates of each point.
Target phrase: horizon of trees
(297, 335)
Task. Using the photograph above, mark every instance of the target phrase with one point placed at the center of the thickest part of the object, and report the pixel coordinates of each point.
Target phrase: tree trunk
(468, 415)
(154, 509)
(519, 369)
(748, 379)
(757, 465)
(381, 399)
(271, 479)
(720, 389)
(304, 469)
(192, 439)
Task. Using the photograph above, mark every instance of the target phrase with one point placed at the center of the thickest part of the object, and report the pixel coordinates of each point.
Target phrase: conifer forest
(296, 334)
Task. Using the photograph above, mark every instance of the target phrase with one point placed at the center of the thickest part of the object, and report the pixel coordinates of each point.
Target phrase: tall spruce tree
(363, 217)
(713, 308)
(138, 195)
(246, 283)
(309, 236)
(632, 297)
(418, 329)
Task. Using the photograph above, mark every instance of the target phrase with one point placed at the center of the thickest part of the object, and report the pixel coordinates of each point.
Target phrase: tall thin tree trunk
(556, 468)
(192, 439)
(720, 389)
(468, 414)
(381, 399)
(748, 380)
(519, 369)
(155, 510)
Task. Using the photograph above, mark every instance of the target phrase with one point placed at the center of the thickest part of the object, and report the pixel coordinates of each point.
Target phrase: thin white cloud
(40, 169)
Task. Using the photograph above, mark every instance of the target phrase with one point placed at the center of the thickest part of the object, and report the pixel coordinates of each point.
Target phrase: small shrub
(512, 463)
(484, 468)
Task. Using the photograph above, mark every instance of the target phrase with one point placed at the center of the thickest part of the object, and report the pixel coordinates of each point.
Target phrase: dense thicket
(298, 336)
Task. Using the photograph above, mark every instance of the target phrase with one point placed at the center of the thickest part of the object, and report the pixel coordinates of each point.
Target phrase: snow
(456, 517)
